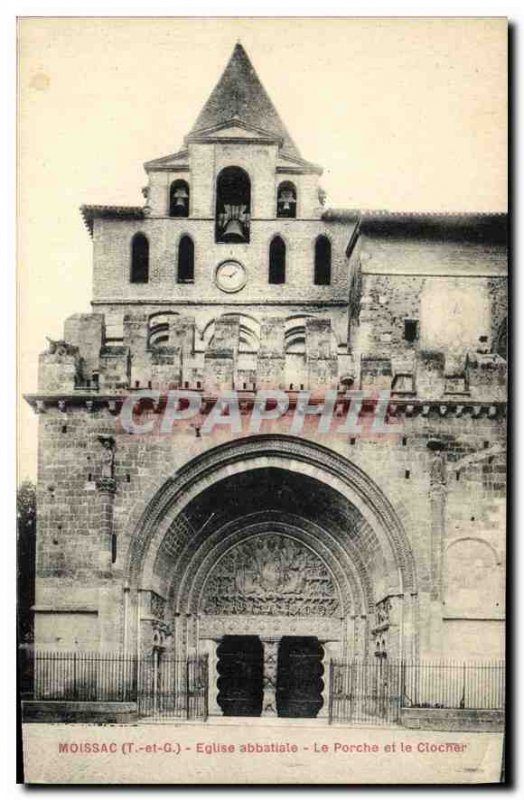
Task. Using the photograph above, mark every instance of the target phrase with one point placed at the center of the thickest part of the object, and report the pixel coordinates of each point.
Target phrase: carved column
(360, 637)
(106, 487)
(409, 650)
(326, 661)
(349, 640)
(269, 702)
(437, 498)
(210, 646)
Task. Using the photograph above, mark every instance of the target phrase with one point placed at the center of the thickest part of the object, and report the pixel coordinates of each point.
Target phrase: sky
(403, 114)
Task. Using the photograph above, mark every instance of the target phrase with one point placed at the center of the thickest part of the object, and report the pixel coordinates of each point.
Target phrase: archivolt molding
(349, 573)
(251, 538)
(450, 545)
(345, 551)
(284, 452)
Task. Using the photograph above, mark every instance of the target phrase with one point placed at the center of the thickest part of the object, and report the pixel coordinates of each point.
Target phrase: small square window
(410, 330)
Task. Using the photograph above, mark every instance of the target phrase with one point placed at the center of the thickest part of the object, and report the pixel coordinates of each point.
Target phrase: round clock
(230, 276)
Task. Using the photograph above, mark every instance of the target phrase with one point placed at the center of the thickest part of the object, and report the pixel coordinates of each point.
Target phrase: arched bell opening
(287, 200)
(179, 199)
(233, 206)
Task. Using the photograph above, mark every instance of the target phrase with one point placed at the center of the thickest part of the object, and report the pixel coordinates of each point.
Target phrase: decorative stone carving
(59, 347)
(270, 574)
(381, 650)
(158, 606)
(437, 467)
(161, 633)
(106, 485)
(383, 610)
(319, 460)
(177, 536)
(324, 628)
(106, 480)
(380, 631)
(269, 702)
(108, 456)
(437, 496)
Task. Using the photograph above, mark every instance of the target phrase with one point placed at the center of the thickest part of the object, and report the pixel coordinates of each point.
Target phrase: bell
(287, 200)
(233, 231)
(180, 197)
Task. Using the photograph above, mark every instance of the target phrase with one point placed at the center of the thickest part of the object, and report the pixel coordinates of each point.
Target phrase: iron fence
(171, 687)
(163, 686)
(375, 692)
(364, 692)
(160, 685)
(453, 684)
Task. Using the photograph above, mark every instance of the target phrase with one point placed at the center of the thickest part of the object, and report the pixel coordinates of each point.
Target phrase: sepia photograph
(263, 370)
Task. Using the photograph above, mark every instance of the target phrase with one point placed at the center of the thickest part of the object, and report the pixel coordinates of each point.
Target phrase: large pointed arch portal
(275, 540)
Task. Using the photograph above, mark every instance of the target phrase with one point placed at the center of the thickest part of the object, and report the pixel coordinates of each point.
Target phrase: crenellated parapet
(165, 352)
(60, 367)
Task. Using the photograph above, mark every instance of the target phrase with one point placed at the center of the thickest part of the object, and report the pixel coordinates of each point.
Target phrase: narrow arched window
(139, 258)
(277, 261)
(233, 206)
(186, 260)
(287, 200)
(179, 199)
(322, 261)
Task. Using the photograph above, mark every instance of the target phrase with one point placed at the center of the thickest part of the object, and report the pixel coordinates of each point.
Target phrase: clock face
(230, 276)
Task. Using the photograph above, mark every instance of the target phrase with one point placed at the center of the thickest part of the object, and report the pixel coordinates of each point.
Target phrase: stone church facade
(234, 275)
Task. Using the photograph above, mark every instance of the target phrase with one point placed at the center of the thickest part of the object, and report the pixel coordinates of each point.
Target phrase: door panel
(299, 680)
(240, 668)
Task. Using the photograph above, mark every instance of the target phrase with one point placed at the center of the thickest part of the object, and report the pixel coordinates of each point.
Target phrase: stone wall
(453, 314)
(112, 262)
(76, 571)
(202, 165)
(441, 468)
(452, 719)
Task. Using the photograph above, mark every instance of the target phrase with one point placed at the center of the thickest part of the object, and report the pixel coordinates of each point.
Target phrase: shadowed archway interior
(269, 544)
(276, 565)
(264, 501)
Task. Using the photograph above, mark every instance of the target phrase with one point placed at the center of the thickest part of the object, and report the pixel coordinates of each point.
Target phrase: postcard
(263, 387)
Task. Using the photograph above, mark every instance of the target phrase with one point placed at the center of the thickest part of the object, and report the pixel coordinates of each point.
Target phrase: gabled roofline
(463, 227)
(156, 163)
(90, 213)
(239, 93)
(471, 226)
(298, 165)
(236, 122)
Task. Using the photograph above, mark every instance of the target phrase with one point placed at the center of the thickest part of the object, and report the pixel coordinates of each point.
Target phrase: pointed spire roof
(240, 96)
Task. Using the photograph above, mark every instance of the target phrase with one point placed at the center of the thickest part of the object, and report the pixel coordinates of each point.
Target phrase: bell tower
(234, 218)
(243, 163)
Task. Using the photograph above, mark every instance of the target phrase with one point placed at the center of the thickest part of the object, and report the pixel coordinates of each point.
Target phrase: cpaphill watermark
(355, 413)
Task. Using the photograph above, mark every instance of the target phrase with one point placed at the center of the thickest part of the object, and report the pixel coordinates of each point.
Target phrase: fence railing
(161, 685)
(170, 687)
(375, 692)
(364, 692)
(453, 684)
(371, 692)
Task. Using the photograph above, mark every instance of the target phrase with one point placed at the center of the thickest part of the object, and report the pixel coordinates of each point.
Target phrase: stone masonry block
(430, 373)
(86, 331)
